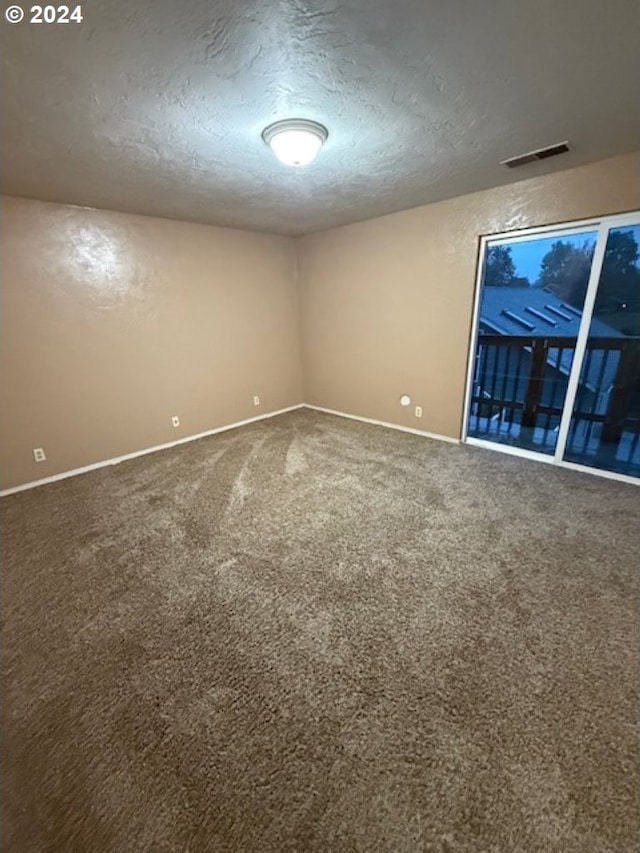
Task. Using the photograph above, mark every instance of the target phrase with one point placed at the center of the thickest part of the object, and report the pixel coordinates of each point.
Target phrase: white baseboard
(116, 460)
(500, 448)
(386, 424)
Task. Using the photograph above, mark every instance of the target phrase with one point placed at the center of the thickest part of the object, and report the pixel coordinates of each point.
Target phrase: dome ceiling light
(296, 141)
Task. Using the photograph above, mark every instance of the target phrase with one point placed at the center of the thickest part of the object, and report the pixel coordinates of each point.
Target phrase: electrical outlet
(175, 421)
(256, 401)
(418, 411)
(38, 454)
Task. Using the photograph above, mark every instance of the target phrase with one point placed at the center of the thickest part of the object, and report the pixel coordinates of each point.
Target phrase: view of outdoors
(532, 298)
(562, 265)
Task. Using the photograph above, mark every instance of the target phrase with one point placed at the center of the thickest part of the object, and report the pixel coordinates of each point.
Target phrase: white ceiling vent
(532, 156)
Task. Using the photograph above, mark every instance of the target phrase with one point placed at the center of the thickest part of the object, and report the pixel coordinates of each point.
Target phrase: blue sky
(528, 256)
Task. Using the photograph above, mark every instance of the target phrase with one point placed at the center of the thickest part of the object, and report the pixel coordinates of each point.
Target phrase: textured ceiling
(157, 107)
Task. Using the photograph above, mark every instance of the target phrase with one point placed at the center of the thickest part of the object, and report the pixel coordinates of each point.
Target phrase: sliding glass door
(604, 423)
(555, 361)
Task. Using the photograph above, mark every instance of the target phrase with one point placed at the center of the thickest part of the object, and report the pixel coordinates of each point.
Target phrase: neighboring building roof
(535, 312)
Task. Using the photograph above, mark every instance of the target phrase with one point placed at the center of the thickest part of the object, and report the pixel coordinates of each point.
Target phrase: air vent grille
(532, 156)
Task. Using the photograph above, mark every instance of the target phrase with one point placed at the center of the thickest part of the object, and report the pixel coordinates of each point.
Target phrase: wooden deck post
(539, 352)
(623, 389)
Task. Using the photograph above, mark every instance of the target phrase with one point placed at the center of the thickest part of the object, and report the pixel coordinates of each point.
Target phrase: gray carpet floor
(311, 634)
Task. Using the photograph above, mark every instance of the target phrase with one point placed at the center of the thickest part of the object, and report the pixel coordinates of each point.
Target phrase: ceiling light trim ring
(296, 141)
(295, 124)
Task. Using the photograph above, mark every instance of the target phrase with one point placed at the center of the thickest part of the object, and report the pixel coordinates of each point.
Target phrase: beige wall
(112, 323)
(386, 304)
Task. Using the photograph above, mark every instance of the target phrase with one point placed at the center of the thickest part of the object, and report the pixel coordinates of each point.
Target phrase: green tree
(500, 270)
(565, 271)
(618, 297)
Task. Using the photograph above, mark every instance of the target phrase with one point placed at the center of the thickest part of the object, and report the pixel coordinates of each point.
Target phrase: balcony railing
(520, 385)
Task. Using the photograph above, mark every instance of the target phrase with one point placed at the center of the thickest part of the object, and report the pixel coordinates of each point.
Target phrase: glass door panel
(604, 431)
(530, 311)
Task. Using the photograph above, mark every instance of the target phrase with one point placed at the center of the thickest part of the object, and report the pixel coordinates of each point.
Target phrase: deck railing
(523, 380)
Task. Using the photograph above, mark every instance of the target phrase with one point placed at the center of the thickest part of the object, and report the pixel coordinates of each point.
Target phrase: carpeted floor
(311, 634)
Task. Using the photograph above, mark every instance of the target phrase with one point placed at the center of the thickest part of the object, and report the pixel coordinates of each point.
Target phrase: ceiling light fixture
(296, 141)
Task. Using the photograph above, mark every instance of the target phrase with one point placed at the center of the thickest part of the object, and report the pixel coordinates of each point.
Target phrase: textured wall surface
(112, 323)
(158, 108)
(387, 304)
